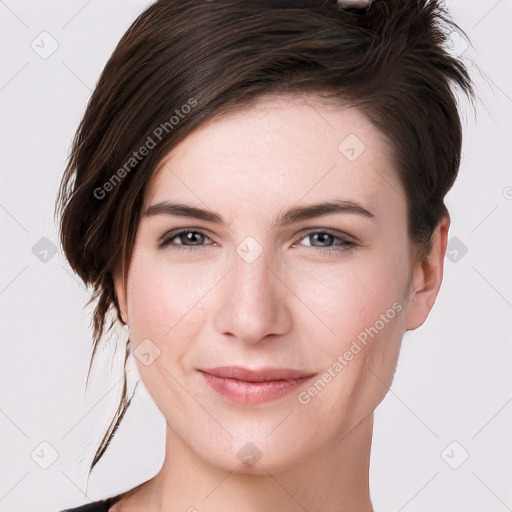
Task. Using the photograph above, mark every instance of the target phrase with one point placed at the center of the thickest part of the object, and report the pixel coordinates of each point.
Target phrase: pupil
(191, 235)
(324, 236)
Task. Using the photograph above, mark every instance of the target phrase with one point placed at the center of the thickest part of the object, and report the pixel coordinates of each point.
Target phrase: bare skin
(284, 301)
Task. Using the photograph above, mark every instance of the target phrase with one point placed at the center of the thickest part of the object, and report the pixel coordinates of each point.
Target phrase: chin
(257, 457)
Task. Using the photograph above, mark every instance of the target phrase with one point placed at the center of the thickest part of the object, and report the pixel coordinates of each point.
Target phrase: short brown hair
(390, 62)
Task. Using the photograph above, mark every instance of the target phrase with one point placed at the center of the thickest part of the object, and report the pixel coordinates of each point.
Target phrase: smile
(244, 386)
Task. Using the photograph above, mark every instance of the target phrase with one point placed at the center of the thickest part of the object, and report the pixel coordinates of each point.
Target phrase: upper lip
(260, 375)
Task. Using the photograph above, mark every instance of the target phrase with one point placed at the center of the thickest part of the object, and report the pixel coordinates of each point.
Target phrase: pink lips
(246, 386)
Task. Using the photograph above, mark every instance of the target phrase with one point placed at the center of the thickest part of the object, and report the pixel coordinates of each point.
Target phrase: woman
(256, 189)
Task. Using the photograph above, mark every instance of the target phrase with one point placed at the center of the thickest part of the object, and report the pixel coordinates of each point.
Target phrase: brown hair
(181, 63)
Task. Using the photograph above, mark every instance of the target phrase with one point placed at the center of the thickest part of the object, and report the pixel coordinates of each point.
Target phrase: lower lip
(242, 392)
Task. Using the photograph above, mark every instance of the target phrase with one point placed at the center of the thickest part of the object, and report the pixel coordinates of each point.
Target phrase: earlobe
(427, 277)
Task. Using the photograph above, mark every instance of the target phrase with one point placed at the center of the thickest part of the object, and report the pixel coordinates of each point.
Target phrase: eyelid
(330, 231)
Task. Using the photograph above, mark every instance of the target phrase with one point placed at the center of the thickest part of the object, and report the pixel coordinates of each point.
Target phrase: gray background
(452, 395)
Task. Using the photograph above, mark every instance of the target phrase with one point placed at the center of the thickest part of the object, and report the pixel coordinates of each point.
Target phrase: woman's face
(256, 274)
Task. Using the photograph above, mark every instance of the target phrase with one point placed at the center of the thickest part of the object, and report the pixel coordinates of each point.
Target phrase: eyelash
(345, 244)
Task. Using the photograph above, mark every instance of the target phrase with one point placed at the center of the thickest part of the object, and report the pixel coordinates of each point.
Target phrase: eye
(184, 240)
(190, 240)
(328, 242)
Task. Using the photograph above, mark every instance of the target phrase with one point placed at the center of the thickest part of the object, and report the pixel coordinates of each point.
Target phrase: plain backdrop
(443, 434)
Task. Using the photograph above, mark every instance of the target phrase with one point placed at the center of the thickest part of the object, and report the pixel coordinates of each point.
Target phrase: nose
(253, 303)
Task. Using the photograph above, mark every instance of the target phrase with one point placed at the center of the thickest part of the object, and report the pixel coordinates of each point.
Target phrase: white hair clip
(355, 6)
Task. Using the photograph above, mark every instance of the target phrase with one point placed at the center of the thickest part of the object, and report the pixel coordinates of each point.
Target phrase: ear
(426, 278)
(120, 291)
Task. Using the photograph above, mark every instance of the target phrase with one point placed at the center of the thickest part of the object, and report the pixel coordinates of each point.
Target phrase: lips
(246, 386)
(265, 374)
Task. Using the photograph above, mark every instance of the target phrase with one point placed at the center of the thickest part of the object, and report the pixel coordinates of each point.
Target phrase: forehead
(280, 151)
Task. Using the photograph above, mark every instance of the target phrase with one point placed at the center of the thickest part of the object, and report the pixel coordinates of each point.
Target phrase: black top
(96, 506)
(104, 505)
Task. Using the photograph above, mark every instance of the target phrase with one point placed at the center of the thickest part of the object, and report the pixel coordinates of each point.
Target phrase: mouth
(245, 386)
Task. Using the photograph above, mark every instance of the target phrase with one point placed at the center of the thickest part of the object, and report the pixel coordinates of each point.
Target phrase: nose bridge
(252, 280)
(253, 304)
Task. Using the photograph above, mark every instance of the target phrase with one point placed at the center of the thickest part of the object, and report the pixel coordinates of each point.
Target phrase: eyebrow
(291, 216)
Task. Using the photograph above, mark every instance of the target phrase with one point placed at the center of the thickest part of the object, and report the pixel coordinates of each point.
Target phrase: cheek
(164, 298)
(360, 302)
(166, 304)
(344, 298)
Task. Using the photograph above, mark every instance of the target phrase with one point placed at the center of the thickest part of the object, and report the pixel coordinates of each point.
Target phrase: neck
(335, 479)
